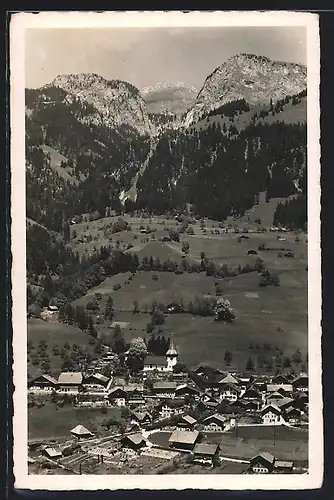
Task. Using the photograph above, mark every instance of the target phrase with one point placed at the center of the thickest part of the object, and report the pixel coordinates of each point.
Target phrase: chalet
(187, 390)
(271, 415)
(260, 386)
(134, 397)
(43, 383)
(69, 382)
(183, 440)
(214, 423)
(81, 432)
(52, 453)
(283, 466)
(209, 401)
(251, 394)
(292, 415)
(274, 396)
(252, 405)
(300, 383)
(284, 389)
(229, 392)
(171, 407)
(284, 403)
(118, 396)
(207, 371)
(164, 389)
(280, 380)
(187, 422)
(229, 379)
(263, 463)
(133, 441)
(96, 381)
(141, 418)
(205, 453)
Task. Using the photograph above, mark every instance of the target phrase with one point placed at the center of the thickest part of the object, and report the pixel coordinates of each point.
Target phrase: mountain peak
(163, 97)
(257, 79)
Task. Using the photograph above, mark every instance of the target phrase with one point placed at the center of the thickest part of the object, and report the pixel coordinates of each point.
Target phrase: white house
(271, 415)
(69, 382)
(214, 423)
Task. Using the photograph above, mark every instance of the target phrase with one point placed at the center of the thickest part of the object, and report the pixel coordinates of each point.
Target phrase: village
(175, 420)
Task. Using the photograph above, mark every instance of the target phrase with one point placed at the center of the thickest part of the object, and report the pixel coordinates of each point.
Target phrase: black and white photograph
(166, 250)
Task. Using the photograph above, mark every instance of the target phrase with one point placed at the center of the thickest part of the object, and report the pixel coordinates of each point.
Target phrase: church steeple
(171, 354)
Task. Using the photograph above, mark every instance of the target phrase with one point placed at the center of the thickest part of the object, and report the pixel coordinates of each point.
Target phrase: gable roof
(53, 452)
(217, 416)
(276, 387)
(265, 455)
(46, 377)
(283, 402)
(229, 379)
(189, 419)
(74, 378)
(117, 389)
(271, 407)
(155, 360)
(141, 415)
(231, 387)
(205, 449)
(136, 438)
(97, 376)
(187, 386)
(80, 430)
(184, 437)
(283, 463)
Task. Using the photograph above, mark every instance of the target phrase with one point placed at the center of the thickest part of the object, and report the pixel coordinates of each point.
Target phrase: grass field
(51, 422)
(53, 333)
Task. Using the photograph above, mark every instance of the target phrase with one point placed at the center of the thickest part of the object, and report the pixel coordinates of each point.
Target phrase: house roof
(141, 415)
(189, 419)
(266, 455)
(165, 385)
(136, 438)
(291, 409)
(80, 430)
(53, 452)
(231, 387)
(155, 360)
(46, 377)
(187, 386)
(283, 402)
(276, 387)
(172, 403)
(275, 395)
(133, 387)
(216, 416)
(229, 379)
(74, 378)
(205, 449)
(280, 377)
(184, 437)
(271, 407)
(99, 377)
(283, 463)
(116, 389)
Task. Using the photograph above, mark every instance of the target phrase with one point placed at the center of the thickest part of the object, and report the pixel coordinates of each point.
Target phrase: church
(162, 363)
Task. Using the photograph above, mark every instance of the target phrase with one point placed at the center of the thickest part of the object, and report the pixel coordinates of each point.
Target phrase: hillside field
(269, 315)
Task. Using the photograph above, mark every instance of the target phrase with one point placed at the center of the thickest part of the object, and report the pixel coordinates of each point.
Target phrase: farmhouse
(133, 441)
(69, 382)
(43, 383)
(164, 389)
(275, 396)
(118, 396)
(205, 453)
(209, 401)
(81, 432)
(96, 381)
(186, 390)
(229, 379)
(171, 407)
(292, 415)
(229, 392)
(263, 463)
(141, 418)
(284, 389)
(184, 440)
(214, 423)
(187, 422)
(300, 383)
(271, 415)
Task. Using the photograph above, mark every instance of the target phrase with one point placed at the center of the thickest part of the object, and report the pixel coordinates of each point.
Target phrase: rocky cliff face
(245, 76)
(113, 103)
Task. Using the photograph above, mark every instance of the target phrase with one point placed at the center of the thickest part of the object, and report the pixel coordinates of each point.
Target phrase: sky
(145, 56)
